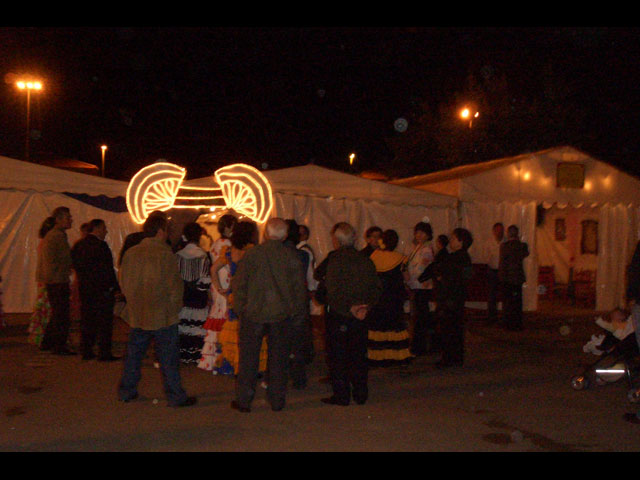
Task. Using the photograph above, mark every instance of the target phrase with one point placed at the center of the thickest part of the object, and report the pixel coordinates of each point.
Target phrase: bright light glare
(22, 85)
(103, 147)
(351, 158)
(465, 113)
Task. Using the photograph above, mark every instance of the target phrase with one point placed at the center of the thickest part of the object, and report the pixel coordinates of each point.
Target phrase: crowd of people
(243, 307)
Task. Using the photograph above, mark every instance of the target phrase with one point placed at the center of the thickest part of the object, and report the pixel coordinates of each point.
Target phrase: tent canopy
(510, 190)
(532, 177)
(20, 175)
(312, 180)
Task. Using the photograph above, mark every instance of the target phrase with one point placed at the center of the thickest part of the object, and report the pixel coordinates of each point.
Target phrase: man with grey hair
(353, 287)
(53, 270)
(269, 298)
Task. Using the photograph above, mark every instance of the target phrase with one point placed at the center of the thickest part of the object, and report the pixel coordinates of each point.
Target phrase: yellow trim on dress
(389, 354)
(388, 336)
(385, 260)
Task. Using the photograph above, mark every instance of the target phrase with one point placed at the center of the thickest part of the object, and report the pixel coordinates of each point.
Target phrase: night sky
(284, 96)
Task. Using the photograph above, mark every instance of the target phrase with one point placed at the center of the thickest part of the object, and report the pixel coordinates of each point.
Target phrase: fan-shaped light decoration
(246, 190)
(153, 188)
(159, 187)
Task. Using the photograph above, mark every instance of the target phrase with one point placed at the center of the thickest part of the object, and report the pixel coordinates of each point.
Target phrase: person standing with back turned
(270, 299)
(511, 275)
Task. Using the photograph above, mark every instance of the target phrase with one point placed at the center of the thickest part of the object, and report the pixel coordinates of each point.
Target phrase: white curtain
(21, 214)
(617, 237)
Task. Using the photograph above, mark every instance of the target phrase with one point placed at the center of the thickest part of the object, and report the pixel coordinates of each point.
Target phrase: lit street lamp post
(28, 86)
(104, 149)
(465, 114)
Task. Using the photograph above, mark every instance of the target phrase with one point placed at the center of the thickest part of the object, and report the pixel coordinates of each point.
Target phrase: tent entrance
(567, 246)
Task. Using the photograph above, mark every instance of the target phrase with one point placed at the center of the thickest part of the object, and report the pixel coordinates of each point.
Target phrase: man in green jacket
(270, 298)
(151, 283)
(54, 270)
(353, 287)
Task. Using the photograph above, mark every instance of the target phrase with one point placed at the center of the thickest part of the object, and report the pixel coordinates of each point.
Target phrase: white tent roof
(19, 175)
(532, 177)
(312, 180)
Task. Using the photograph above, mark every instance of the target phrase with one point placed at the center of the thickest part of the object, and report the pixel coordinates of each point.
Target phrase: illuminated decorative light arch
(239, 187)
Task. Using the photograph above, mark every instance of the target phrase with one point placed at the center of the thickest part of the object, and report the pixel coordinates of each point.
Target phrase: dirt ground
(512, 395)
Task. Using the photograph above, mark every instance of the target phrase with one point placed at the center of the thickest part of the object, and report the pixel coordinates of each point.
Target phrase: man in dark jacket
(98, 286)
(270, 298)
(353, 287)
(511, 275)
(453, 272)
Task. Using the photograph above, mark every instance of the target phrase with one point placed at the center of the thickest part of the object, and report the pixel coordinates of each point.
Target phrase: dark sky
(204, 97)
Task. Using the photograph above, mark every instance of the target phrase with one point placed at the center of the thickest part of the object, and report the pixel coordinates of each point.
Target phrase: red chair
(584, 284)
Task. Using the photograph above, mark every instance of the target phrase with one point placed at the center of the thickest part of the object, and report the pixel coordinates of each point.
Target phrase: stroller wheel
(633, 395)
(579, 382)
(600, 381)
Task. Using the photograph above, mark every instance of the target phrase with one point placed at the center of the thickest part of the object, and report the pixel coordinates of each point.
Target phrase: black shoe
(334, 401)
(130, 399)
(447, 364)
(63, 351)
(110, 358)
(88, 356)
(631, 418)
(299, 385)
(236, 406)
(360, 401)
(187, 402)
(277, 408)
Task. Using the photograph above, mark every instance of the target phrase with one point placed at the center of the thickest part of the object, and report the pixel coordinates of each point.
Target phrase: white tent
(319, 198)
(511, 190)
(312, 195)
(28, 194)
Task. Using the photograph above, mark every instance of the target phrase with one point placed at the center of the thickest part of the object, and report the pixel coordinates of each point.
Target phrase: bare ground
(512, 395)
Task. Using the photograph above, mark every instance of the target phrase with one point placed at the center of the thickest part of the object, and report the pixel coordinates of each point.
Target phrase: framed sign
(570, 175)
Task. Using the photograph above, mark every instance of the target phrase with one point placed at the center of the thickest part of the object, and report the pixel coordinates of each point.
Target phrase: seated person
(617, 329)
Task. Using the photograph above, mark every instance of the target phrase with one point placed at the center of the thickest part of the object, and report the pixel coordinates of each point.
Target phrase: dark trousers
(57, 331)
(493, 284)
(513, 305)
(347, 357)
(166, 346)
(451, 327)
(423, 327)
(96, 324)
(250, 335)
(301, 352)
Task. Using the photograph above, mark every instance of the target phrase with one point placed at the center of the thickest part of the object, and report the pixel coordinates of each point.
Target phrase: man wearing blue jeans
(151, 283)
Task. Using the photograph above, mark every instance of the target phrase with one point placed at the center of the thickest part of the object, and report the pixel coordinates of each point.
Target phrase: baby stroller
(618, 360)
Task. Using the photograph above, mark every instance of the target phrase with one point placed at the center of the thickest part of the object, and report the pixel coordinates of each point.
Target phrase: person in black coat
(429, 274)
(453, 272)
(98, 287)
(511, 275)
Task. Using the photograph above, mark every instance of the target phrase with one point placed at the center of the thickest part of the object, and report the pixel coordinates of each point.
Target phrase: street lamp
(104, 149)
(465, 114)
(352, 158)
(28, 86)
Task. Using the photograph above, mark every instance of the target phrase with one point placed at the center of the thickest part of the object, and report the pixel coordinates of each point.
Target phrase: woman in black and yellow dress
(388, 336)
